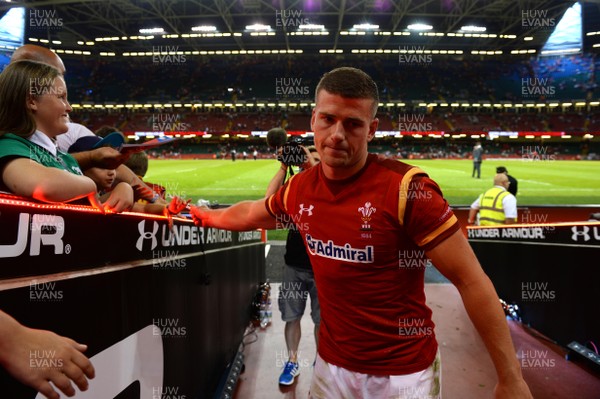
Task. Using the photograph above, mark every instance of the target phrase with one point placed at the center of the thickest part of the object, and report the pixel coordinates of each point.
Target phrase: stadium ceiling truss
(85, 20)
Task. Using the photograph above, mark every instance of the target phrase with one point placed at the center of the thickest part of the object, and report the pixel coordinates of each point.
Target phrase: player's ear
(372, 129)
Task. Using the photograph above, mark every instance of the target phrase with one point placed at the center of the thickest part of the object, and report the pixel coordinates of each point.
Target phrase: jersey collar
(43, 141)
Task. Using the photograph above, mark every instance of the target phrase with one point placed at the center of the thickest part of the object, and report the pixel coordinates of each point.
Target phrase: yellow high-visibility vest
(491, 211)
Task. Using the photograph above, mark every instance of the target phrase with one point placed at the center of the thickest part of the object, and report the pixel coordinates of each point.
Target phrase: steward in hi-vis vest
(496, 206)
(491, 211)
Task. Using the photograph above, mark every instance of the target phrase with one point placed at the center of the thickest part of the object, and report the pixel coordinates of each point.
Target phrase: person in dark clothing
(298, 281)
(477, 159)
(512, 188)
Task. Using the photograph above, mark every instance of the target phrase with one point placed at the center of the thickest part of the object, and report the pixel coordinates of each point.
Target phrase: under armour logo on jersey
(309, 209)
(146, 235)
(577, 233)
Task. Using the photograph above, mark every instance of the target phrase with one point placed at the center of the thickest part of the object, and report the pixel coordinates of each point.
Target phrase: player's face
(342, 127)
(51, 109)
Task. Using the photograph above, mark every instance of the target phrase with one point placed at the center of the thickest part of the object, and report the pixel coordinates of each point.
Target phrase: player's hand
(58, 359)
(107, 157)
(515, 390)
(199, 213)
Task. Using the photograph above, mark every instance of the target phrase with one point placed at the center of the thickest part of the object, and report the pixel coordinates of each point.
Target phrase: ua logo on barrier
(584, 233)
(147, 235)
(137, 358)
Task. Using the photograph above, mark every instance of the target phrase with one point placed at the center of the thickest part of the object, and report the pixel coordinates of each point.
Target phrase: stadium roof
(70, 22)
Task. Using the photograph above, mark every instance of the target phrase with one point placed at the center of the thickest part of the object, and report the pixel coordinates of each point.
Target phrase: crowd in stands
(33, 98)
(400, 148)
(237, 78)
(439, 119)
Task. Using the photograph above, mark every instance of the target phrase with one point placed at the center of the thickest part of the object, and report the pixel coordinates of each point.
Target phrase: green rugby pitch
(540, 182)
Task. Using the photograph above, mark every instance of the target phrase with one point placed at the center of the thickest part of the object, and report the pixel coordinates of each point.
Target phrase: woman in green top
(33, 111)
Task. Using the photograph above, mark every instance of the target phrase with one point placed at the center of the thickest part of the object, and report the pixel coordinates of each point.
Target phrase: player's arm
(25, 177)
(455, 259)
(243, 216)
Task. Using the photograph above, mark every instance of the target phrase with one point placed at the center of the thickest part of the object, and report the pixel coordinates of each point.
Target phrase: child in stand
(122, 196)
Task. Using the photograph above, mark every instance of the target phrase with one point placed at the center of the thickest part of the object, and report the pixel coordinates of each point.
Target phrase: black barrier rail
(550, 271)
(163, 310)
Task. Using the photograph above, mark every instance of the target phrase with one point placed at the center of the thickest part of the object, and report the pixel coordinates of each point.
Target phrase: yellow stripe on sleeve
(403, 197)
(433, 235)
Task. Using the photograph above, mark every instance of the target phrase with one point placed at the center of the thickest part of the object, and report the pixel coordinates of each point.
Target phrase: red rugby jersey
(366, 238)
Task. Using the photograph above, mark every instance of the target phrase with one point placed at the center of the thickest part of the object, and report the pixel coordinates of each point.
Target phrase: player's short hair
(349, 82)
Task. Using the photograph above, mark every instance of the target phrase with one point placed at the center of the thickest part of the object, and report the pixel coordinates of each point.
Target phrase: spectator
(513, 183)
(120, 196)
(115, 196)
(105, 130)
(17, 342)
(33, 111)
(138, 163)
(104, 157)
